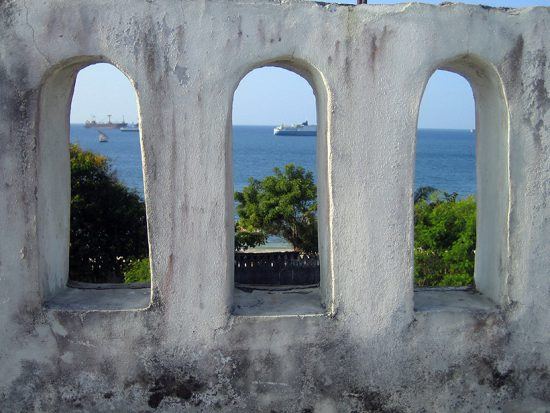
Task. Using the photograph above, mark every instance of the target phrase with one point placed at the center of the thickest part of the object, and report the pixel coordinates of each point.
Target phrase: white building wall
(379, 346)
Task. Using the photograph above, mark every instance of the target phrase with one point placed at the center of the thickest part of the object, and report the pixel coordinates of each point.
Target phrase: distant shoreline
(271, 126)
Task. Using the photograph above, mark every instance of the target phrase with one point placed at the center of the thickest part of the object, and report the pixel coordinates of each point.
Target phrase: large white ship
(301, 129)
(130, 128)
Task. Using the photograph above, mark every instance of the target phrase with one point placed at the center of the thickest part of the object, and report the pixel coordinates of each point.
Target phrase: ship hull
(104, 125)
(295, 133)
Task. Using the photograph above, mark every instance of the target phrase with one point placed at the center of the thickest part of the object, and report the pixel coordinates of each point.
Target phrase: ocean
(445, 159)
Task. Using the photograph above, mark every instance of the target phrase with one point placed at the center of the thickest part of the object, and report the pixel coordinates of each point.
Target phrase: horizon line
(271, 126)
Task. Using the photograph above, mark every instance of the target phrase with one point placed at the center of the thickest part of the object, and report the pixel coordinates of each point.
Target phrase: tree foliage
(245, 239)
(444, 239)
(283, 204)
(137, 271)
(109, 229)
(108, 221)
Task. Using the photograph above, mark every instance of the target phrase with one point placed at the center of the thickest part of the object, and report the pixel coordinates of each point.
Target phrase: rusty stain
(514, 60)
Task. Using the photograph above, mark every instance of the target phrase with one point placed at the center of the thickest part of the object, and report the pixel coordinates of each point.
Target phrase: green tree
(245, 239)
(108, 222)
(137, 271)
(444, 239)
(433, 195)
(283, 204)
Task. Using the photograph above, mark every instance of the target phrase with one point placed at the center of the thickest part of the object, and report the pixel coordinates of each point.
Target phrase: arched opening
(280, 177)
(92, 222)
(461, 239)
(445, 184)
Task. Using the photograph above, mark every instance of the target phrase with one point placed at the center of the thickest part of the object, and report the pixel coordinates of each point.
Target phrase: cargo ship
(109, 125)
(301, 129)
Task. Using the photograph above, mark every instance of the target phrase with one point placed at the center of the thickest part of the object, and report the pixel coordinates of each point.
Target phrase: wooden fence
(276, 268)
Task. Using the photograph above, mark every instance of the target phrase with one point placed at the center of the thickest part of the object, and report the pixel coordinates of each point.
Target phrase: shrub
(138, 271)
(108, 222)
(444, 241)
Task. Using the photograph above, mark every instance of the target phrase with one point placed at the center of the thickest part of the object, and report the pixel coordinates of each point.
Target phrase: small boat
(301, 129)
(102, 137)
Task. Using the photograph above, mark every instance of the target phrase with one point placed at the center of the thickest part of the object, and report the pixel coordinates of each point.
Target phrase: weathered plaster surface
(186, 351)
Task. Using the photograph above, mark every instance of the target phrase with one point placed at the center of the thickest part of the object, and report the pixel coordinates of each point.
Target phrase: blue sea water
(445, 159)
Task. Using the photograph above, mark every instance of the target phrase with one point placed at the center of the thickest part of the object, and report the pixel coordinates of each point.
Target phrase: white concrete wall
(372, 351)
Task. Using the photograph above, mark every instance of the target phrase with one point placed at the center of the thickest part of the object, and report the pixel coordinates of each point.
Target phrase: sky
(493, 3)
(266, 96)
(271, 96)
